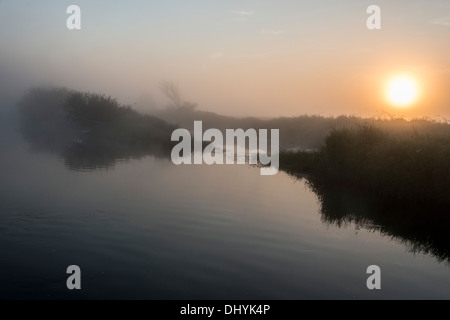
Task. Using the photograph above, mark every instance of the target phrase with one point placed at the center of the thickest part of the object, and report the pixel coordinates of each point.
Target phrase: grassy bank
(407, 170)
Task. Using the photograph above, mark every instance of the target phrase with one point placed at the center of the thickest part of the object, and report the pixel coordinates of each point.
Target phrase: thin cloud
(259, 54)
(243, 13)
(217, 55)
(272, 32)
(445, 21)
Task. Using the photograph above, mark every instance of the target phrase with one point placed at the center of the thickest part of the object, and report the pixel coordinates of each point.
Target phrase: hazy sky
(259, 58)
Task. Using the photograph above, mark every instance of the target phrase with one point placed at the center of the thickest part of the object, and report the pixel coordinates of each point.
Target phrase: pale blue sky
(236, 57)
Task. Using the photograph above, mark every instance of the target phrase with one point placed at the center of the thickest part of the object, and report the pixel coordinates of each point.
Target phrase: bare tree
(172, 92)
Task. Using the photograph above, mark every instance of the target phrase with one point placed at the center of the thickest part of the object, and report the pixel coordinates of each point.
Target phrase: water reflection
(421, 229)
(88, 157)
(90, 131)
(92, 155)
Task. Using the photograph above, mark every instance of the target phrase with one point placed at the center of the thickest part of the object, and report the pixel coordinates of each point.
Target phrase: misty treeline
(89, 129)
(302, 132)
(62, 119)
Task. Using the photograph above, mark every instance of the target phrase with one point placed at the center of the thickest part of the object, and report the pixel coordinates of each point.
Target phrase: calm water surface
(148, 229)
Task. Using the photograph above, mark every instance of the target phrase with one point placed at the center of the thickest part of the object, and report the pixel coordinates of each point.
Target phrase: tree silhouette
(172, 92)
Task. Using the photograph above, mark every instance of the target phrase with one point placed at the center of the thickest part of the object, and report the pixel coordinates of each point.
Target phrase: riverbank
(408, 170)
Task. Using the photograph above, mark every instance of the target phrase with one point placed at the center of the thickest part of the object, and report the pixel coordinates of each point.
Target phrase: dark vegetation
(397, 185)
(90, 130)
(412, 169)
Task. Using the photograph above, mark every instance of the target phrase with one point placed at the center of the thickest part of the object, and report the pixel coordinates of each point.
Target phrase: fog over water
(87, 178)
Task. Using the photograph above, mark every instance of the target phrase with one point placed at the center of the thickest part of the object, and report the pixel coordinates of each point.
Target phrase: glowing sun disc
(402, 91)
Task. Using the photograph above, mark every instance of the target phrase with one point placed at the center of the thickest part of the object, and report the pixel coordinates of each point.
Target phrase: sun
(402, 91)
